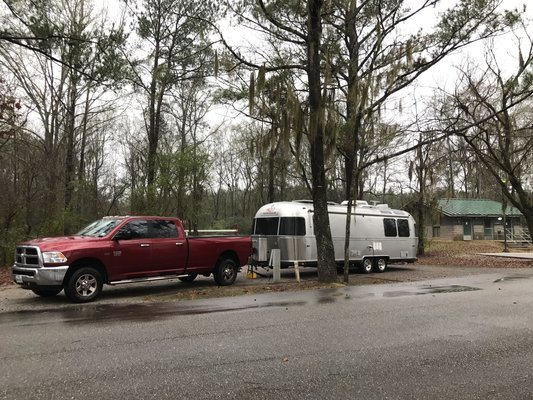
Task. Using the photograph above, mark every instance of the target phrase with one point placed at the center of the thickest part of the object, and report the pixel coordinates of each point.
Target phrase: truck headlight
(53, 257)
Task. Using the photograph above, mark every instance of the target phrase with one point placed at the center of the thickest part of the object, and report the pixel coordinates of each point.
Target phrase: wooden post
(297, 271)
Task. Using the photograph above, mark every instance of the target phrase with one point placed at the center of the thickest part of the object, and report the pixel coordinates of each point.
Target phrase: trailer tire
(188, 278)
(380, 264)
(367, 265)
(225, 272)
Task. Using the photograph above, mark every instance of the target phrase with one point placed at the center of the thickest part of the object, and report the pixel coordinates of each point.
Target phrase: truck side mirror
(123, 234)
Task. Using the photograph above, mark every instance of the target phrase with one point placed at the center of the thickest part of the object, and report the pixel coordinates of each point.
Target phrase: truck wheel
(381, 264)
(188, 278)
(46, 292)
(84, 285)
(367, 265)
(225, 272)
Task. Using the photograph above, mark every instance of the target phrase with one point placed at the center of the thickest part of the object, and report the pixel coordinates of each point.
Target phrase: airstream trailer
(379, 234)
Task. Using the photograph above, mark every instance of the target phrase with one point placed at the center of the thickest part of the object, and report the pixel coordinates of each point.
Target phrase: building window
(436, 231)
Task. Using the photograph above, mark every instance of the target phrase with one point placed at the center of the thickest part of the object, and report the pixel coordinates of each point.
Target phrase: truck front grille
(27, 256)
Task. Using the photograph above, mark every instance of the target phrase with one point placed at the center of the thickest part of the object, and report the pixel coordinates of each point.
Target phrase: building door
(467, 229)
(488, 234)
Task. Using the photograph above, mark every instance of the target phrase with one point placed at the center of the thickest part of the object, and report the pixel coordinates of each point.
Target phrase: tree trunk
(327, 269)
(69, 159)
(421, 217)
(180, 195)
(270, 193)
(349, 167)
(153, 132)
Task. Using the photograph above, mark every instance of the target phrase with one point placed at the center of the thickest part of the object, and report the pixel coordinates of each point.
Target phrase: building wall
(479, 228)
(451, 228)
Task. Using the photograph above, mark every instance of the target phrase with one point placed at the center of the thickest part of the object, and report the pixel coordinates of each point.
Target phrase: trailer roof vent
(382, 206)
(331, 203)
(358, 203)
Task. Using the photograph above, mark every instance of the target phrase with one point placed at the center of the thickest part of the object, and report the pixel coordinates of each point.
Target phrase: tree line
(120, 114)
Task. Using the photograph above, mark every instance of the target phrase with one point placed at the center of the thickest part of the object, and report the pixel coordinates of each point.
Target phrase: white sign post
(276, 264)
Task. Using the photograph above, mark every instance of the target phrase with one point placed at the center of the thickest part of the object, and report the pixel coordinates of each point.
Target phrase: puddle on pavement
(511, 278)
(129, 312)
(431, 290)
(116, 313)
(328, 296)
(326, 300)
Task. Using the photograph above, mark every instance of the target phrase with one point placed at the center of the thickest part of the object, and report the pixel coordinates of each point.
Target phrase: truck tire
(380, 264)
(225, 272)
(366, 267)
(84, 285)
(188, 278)
(46, 292)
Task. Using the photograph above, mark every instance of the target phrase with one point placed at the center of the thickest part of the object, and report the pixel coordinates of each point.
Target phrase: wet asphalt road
(468, 337)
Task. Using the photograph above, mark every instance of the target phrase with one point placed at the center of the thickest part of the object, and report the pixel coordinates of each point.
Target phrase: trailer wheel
(225, 272)
(188, 278)
(366, 267)
(380, 264)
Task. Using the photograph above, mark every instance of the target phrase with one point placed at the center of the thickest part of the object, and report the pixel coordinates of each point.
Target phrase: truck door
(131, 251)
(169, 247)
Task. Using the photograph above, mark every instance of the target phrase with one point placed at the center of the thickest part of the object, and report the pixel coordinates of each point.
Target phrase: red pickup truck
(117, 250)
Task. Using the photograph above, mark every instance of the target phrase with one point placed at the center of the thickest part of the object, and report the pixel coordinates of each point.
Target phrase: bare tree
(492, 113)
(177, 49)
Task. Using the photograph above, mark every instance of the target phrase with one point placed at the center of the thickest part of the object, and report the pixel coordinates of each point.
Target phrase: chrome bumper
(45, 276)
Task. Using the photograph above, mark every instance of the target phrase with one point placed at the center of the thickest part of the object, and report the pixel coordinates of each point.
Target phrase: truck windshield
(99, 228)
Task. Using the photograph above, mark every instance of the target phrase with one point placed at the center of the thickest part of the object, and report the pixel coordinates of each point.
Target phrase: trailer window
(266, 226)
(390, 227)
(403, 228)
(294, 226)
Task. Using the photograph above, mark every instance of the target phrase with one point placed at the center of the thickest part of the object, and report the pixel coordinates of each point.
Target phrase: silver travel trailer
(378, 235)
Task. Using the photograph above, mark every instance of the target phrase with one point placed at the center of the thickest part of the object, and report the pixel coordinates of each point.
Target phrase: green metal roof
(475, 207)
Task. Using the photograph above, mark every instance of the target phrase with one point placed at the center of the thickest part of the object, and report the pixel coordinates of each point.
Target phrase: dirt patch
(230, 291)
(466, 254)
(5, 277)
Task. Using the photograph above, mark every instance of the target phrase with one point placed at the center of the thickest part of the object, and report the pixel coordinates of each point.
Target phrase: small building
(474, 219)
